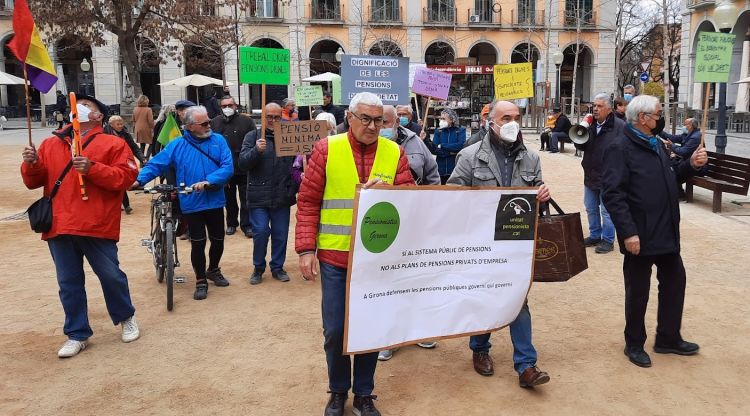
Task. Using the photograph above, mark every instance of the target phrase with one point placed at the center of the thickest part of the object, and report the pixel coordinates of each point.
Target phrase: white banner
(437, 262)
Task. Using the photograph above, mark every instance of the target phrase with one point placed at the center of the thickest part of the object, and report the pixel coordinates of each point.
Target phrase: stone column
(740, 105)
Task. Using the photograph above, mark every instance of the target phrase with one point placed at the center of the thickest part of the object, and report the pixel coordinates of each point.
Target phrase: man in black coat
(329, 107)
(234, 126)
(605, 130)
(640, 193)
(271, 192)
(560, 131)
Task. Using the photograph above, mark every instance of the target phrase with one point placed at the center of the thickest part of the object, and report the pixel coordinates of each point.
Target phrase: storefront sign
(513, 81)
(713, 57)
(463, 69)
(298, 137)
(387, 77)
(308, 95)
(264, 66)
(432, 83)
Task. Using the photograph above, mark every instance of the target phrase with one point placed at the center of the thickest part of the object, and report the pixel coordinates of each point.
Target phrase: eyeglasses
(204, 124)
(273, 118)
(366, 120)
(658, 116)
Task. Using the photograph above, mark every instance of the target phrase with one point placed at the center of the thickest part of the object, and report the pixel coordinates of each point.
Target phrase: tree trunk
(666, 67)
(129, 57)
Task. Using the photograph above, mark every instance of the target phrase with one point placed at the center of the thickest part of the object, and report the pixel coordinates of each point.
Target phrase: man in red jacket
(89, 228)
(325, 201)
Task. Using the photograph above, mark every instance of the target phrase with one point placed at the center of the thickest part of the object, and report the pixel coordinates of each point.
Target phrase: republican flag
(28, 47)
(169, 131)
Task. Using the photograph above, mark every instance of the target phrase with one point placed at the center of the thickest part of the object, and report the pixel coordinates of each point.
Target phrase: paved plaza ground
(257, 350)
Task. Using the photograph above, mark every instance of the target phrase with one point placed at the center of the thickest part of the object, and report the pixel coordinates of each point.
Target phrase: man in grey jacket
(501, 159)
(421, 162)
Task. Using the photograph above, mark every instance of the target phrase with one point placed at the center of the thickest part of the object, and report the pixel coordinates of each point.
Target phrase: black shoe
(128, 210)
(590, 242)
(201, 291)
(256, 277)
(682, 348)
(280, 275)
(335, 406)
(248, 233)
(638, 356)
(231, 230)
(364, 406)
(216, 277)
(604, 247)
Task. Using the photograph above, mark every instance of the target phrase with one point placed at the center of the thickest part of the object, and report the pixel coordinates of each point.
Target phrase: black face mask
(660, 123)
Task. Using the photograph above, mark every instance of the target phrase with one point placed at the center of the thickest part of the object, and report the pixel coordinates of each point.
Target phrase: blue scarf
(653, 141)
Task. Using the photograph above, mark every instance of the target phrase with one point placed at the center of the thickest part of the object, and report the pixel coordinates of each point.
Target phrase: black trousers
(545, 140)
(238, 182)
(198, 222)
(670, 273)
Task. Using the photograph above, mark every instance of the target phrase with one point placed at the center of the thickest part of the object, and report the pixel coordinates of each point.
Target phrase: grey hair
(390, 109)
(452, 114)
(169, 108)
(640, 104)
(407, 107)
(694, 123)
(629, 86)
(364, 98)
(191, 112)
(289, 100)
(607, 98)
(272, 105)
(328, 118)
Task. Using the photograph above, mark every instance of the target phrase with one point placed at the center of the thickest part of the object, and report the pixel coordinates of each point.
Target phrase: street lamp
(557, 58)
(85, 67)
(725, 16)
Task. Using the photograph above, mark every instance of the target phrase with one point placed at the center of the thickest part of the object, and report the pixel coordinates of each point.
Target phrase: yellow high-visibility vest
(336, 211)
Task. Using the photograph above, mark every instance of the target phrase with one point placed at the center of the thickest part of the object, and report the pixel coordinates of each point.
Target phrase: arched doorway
(13, 96)
(737, 94)
(71, 51)
(385, 47)
(525, 52)
(203, 60)
(275, 93)
(149, 59)
(323, 57)
(439, 53)
(698, 88)
(583, 73)
(483, 53)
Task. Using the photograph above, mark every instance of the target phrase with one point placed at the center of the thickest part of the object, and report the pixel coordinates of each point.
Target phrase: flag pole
(28, 105)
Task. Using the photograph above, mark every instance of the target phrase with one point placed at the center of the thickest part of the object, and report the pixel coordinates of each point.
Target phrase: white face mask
(228, 111)
(509, 132)
(83, 113)
(443, 124)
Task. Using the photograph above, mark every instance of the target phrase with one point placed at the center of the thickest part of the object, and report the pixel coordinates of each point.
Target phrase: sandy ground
(258, 349)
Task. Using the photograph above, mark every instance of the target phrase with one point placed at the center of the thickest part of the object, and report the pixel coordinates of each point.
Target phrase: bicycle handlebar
(166, 189)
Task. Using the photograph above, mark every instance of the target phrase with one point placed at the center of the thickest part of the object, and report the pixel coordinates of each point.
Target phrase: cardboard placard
(298, 137)
(513, 81)
(267, 66)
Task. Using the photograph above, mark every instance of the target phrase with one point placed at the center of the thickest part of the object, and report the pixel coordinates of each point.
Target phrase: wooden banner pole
(262, 111)
(28, 105)
(426, 111)
(704, 120)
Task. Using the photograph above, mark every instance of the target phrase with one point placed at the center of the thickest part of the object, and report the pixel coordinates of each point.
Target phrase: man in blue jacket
(203, 159)
(687, 141)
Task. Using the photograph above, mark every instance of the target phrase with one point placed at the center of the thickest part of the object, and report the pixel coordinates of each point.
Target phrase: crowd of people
(633, 171)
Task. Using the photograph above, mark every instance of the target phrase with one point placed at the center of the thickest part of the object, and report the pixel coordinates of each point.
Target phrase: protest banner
(298, 137)
(265, 66)
(307, 95)
(713, 60)
(469, 274)
(513, 81)
(385, 76)
(432, 84)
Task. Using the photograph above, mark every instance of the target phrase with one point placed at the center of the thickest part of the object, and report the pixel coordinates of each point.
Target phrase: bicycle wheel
(158, 246)
(169, 262)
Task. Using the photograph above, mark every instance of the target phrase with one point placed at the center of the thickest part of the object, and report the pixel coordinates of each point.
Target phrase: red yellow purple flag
(28, 47)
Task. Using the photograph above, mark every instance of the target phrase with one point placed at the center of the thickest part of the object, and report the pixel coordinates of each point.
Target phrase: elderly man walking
(324, 218)
(606, 130)
(501, 159)
(88, 228)
(639, 189)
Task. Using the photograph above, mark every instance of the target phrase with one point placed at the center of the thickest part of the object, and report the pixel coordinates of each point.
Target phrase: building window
(325, 10)
(527, 12)
(385, 11)
(264, 8)
(441, 11)
(579, 9)
(206, 7)
(483, 9)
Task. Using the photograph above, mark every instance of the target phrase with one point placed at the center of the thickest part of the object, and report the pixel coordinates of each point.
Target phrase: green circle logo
(379, 227)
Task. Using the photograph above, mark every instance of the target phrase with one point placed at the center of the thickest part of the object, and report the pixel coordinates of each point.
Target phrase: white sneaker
(428, 345)
(130, 331)
(71, 348)
(385, 355)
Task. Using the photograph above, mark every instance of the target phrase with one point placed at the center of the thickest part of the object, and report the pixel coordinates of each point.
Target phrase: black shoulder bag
(40, 212)
(216, 162)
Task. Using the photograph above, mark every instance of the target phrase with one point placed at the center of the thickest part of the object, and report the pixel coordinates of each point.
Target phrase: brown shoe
(532, 376)
(483, 363)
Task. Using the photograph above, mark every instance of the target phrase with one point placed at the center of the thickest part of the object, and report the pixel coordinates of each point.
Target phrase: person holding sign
(270, 194)
(501, 159)
(639, 188)
(324, 218)
(289, 112)
(448, 140)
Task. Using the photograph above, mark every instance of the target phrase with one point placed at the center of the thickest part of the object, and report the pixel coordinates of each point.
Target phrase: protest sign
(432, 83)
(266, 66)
(298, 137)
(513, 81)
(469, 274)
(385, 76)
(713, 57)
(308, 95)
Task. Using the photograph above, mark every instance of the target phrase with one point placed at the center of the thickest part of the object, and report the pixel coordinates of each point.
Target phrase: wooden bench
(726, 173)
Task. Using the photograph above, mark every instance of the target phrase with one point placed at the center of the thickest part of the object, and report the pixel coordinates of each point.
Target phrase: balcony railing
(387, 13)
(264, 9)
(697, 4)
(534, 18)
(588, 18)
(439, 15)
(483, 16)
(326, 10)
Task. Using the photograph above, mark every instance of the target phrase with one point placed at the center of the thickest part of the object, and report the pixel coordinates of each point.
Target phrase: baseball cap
(183, 103)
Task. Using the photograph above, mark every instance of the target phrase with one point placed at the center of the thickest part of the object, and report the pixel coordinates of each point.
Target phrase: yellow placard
(513, 81)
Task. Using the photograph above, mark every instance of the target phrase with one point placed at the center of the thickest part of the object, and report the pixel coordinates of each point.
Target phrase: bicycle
(163, 242)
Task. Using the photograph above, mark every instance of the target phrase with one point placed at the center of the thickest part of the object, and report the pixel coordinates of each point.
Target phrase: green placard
(264, 66)
(308, 95)
(336, 90)
(713, 57)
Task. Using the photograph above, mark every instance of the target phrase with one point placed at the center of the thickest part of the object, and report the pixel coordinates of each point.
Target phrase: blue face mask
(627, 97)
(403, 121)
(387, 133)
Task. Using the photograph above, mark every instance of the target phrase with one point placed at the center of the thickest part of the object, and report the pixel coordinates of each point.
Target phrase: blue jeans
(554, 139)
(600, 224)
(68, 252)
(274, 223)
(524, 354)
(333, 305)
